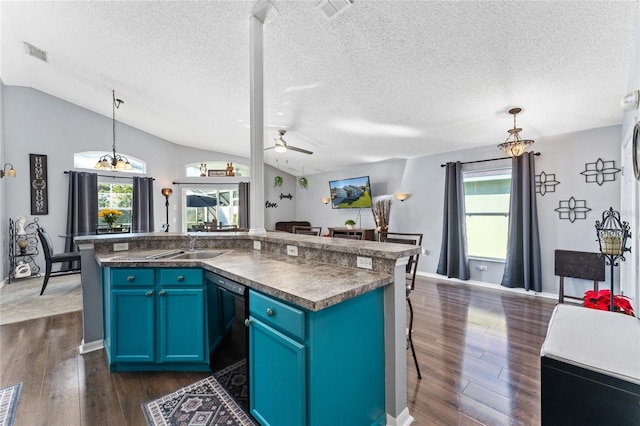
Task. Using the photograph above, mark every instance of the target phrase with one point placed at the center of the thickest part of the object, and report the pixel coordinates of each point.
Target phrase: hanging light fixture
(114, 161)
(517, 146)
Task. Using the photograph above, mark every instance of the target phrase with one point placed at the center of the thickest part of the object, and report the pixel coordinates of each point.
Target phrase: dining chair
(50, 258)
(411, 269)
(307, 230)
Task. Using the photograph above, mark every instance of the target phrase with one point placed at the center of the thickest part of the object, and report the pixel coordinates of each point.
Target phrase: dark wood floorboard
(478, 350)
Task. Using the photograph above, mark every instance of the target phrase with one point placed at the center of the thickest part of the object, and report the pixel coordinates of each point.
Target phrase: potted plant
(277, 181)
(302, 181)
(349, 223)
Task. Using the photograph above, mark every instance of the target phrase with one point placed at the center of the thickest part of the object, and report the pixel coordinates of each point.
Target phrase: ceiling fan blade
(269, 147)
(304, 151)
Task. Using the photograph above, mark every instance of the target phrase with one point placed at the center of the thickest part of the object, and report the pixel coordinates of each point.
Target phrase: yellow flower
(109, 216)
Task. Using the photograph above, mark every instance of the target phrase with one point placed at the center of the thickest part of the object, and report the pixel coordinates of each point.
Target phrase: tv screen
(350, 193)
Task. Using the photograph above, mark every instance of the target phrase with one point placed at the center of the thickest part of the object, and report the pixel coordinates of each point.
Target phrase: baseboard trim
(90, 347)
(403, 419)
(522, 291)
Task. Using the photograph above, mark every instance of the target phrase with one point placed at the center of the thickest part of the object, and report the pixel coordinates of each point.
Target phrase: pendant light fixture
(517, 146)
(114, 162)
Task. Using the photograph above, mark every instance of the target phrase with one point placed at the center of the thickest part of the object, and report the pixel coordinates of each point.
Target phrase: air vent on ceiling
(35, 52)
(333, 8)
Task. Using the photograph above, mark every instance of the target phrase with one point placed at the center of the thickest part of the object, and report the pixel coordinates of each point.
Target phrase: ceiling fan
(281, 145)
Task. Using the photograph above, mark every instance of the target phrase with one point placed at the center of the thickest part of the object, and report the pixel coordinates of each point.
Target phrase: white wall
(385, 178)
(37, 123)
(423, 178)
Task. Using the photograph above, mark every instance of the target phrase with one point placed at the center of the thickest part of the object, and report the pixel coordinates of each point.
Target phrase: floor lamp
(612, 237)
(167, 193)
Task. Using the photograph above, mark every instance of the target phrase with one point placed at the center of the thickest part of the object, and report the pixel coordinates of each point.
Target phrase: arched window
(88, 160)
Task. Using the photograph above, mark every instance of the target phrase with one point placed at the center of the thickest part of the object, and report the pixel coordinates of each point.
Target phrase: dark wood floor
(478, 350)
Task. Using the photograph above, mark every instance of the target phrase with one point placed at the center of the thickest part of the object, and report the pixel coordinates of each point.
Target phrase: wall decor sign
(573, 209)
(289, 196)
(38, 184)
(270, 205)
(546, 183)
(217, 173)
(600, 171)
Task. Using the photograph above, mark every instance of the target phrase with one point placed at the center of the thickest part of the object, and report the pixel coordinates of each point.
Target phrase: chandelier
(114, 161)
(517, 146)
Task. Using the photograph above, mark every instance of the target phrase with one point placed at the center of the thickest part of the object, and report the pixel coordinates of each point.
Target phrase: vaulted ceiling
(381, 80)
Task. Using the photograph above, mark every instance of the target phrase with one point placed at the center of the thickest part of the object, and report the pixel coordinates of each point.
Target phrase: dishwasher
(228, 308)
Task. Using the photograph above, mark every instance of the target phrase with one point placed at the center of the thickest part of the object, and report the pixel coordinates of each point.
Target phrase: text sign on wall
(38, 181)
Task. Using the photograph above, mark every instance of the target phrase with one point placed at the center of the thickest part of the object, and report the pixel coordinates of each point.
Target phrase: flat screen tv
(352, 193)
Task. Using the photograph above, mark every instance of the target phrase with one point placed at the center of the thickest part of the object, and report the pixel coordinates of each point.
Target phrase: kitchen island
(323, 276)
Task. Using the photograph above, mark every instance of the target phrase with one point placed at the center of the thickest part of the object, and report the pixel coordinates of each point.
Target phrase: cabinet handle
(131, 278)
(150, 293)
(162, 293)
(180, 278)
(247, 322)
(270, 312)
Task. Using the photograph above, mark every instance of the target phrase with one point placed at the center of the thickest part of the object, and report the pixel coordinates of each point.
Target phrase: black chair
(307, 230)
(51, 258)
(412, 267)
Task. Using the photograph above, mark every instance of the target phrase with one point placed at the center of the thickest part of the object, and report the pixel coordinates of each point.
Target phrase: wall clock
(635, 150)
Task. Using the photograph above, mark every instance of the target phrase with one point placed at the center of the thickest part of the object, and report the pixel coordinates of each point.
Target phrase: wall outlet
(120, 246)
(292, 250)
(257, 245)
(481, 268)
(364, 262)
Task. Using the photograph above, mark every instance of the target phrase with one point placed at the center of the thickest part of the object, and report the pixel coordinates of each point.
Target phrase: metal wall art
(600, 171)
(573, 209)
(270, 205)
(546, 183)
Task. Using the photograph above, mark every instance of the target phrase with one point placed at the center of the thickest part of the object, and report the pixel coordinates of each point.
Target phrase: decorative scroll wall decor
(546, 183)
(573, 209)
(600, 171)
(38, 179)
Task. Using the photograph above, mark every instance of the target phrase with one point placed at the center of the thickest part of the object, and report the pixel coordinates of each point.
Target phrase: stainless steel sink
(198, 254)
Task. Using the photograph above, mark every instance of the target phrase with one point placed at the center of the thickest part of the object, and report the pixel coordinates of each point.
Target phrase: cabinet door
(181, 325)
(278, 377)
(132, 325)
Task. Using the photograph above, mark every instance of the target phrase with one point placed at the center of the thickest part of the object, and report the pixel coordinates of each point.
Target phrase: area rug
(205, 402)
(234, 379)
(8, 403)
(21, 300)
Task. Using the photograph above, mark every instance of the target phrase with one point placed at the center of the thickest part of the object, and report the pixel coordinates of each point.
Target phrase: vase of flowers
(602, 300)
(109, 216)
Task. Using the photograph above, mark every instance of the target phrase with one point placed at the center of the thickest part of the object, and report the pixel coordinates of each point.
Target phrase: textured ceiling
(384, 79)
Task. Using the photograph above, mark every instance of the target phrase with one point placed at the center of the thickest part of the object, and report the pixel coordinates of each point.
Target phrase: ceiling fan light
(281, 148)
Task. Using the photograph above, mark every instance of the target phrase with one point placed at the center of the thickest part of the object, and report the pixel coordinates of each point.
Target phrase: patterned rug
(205, 402)
(8, 404)
(234, 379)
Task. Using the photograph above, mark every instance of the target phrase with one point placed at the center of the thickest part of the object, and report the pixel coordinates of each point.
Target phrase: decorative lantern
(612, 238)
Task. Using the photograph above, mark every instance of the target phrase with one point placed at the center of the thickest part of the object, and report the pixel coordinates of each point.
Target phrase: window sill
(487, 259)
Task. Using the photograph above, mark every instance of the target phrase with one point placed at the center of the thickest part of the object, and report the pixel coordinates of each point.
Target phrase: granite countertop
(309, 284)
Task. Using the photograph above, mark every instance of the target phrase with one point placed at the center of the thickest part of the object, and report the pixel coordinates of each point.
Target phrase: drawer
(277, 314)
(132, 277)
(181, 276)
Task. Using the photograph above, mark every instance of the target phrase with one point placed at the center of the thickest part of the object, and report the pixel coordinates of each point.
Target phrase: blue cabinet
(317, 368)
(155, 319)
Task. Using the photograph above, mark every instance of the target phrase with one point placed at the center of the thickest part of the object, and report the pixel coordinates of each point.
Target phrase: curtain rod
(537, 154)
(111, 176)
(205, 183)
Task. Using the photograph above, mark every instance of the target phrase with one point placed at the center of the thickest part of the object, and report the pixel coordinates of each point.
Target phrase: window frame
(497, 173)
(108, 180)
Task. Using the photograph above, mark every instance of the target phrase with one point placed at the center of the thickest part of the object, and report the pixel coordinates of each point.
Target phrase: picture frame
(217, 173)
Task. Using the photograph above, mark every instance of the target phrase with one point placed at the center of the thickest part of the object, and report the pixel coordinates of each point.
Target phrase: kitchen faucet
(192, 242)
